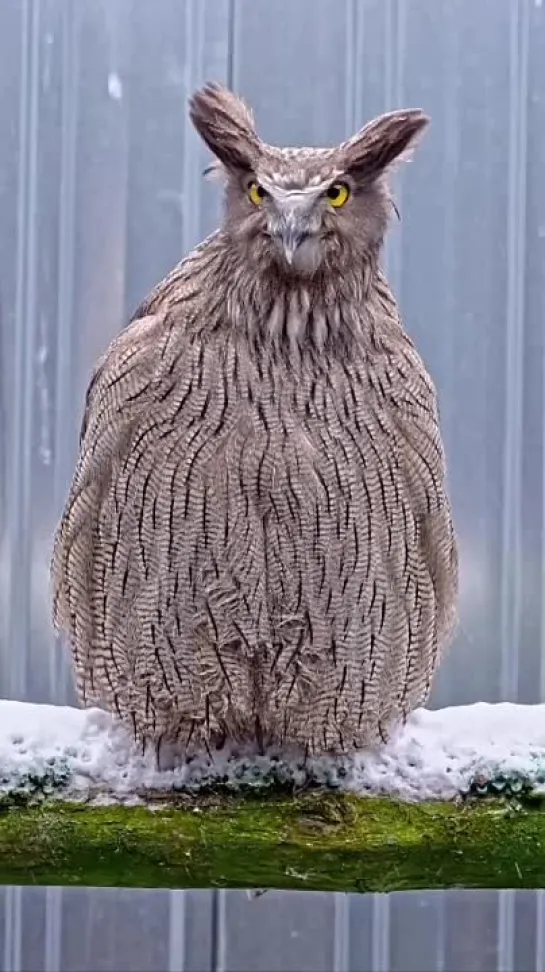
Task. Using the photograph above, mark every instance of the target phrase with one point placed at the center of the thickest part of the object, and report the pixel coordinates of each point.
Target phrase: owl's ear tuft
(382, 143)
(225, 123)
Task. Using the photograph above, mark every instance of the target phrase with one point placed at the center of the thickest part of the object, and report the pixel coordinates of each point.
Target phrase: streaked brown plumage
(257, 542)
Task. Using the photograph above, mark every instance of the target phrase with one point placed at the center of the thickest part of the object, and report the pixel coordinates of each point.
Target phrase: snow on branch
(439, 755)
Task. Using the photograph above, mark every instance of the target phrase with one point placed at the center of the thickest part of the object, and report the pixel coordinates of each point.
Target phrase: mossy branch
(311, 841)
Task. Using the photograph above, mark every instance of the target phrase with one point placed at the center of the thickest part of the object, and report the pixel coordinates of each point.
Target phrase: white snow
(84, 754)
(115, 86)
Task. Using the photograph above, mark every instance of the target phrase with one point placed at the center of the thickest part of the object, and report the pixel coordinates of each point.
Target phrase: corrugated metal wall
(101, 192)
(113, 930)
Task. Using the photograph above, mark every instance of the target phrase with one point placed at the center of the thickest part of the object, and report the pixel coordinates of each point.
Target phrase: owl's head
(302, 209)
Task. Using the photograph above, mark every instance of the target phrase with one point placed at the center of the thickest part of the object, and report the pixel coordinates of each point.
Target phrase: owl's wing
(119, 394)
(416, 415)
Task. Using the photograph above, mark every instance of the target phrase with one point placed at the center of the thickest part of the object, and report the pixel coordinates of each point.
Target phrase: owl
(257, 544)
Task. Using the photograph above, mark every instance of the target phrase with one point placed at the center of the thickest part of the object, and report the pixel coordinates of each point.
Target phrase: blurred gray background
(101, 193)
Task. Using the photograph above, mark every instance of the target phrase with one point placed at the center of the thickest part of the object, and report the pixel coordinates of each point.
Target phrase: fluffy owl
(257, 544)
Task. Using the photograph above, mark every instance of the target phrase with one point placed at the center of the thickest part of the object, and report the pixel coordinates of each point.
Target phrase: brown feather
(384, 141)
(226, 125)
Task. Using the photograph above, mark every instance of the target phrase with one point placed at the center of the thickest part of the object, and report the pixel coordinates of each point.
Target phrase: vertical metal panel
(453, 294)
(12, 928)
(532, 630)
(289, 59)
(276, 931)
(417, 932)
(170, 207)
(197, 924)
(114, 929)
(100, 193)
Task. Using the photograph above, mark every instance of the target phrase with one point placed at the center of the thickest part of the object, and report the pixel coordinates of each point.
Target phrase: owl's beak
(291, 225)
(291, 241)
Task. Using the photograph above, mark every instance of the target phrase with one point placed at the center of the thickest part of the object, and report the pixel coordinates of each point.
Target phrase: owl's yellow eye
(337, 194)
(256, 193)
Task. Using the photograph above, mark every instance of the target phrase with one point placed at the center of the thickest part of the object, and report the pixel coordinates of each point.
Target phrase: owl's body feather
(258, 542)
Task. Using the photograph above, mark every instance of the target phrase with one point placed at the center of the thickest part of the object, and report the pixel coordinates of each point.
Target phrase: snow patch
(115, 86)
(438, 755)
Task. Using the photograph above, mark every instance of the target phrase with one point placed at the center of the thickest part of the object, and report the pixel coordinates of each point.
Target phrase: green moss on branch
(332, 843)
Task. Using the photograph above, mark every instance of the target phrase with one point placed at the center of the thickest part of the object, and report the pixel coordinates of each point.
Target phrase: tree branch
(310, 841)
